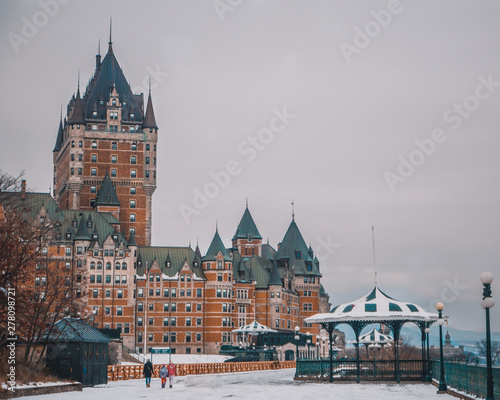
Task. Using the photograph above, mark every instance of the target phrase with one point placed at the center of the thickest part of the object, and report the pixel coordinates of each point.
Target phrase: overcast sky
(373, 113)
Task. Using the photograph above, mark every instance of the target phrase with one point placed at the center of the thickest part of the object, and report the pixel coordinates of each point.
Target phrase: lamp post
(428, 377)
(309, 336)
(442, 384)
(487, 303)
(317, 346)
(297, 338)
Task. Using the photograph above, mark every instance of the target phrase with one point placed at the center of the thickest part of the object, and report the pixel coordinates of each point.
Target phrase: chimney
(23, 189)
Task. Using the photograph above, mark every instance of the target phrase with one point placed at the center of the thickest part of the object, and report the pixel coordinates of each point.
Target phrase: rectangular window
(140, 321)
(92, 278)
(140, 307)
(132, 217)
(147, 160)
(132, 203)
(114, 146)
(113, 172)
(165, 321)
(173, 321)
(99, 278)
(133, 160)
(93, 158)
(93, 171)
(198, 292)
(133, 173)
(132, 190)
(140, 292)
(93, 189)
(119, 310)
(108, 278)
(174, 292)
(188, 307)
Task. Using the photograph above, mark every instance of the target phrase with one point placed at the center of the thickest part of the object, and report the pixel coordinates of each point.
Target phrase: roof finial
(99, 47)
(247, 202)
(374, 262)
(61, 111)
(78, 91)
(293, 210)
(110, 48)
(149, 85)
(216, 226)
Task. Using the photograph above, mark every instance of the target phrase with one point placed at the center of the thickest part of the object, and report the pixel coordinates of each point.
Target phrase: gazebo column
(330, 327)
(396, 329)
(357, 327)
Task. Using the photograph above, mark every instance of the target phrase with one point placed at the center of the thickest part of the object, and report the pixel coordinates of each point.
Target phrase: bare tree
(495, 350)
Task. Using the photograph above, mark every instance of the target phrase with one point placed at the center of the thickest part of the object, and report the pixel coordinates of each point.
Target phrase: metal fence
(125, 372)
(468, 378)
(369, 369)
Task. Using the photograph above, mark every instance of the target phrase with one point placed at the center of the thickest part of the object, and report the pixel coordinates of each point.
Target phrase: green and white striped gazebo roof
(373, 308)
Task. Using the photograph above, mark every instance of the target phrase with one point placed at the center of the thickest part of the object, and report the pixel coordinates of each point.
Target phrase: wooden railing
(125, 372)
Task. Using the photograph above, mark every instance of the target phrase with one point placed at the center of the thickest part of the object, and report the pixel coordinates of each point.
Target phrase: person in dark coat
(148, 372)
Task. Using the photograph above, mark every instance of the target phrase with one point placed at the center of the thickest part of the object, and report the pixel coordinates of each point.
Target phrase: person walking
(163, 375)
(148, 371)
(171, 373)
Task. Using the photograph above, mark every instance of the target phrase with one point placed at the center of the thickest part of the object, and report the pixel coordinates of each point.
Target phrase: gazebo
(374, 339)
(375, 308)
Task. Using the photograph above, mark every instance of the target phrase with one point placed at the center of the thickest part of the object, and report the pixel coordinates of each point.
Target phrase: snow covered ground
(265, 385)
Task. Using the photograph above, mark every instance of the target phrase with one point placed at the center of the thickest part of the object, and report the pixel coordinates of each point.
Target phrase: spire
(149, 116)
(98, 56)
(293, 211)
(77, 116)
(82, 233)
(215, 247)
(275, 276)
(110, 43)
(131, 239)
(246, 227)
(60, 135)
(107, 193)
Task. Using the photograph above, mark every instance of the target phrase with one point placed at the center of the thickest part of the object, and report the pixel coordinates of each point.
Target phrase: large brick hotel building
(101, 213)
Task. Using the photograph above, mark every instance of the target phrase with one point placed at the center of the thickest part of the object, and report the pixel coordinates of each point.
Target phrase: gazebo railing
(369, 369)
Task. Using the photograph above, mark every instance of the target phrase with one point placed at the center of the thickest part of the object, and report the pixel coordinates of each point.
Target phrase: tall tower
(247, 239)
(108, 131)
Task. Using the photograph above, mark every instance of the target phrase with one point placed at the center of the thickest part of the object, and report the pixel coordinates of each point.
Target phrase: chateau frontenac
(100, 213)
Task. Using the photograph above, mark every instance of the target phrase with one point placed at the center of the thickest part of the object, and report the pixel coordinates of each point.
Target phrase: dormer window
(68, 236)
(115, 237)
(74, 224)
(250, 238)
(132, 116)
(94, 114)
(168, 264)
(114, 102)
(297, 255)
(94, 237)
(89, 224)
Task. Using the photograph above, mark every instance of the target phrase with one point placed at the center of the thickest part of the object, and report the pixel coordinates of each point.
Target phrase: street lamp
(317, 346)
(297, 338)
(309, 336)
(428, 377)
(487, 303)
(440, 322)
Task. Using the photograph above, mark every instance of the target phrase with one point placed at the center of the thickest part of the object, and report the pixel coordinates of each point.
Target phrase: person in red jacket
(171, 373)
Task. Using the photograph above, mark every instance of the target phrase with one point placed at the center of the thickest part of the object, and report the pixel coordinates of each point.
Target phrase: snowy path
(265, 385)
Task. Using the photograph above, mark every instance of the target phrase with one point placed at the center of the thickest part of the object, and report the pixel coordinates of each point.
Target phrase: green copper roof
(294, 249)
(107, 193)
(247, 228)
(169, 259)
(83, 233)
(75, 330)
(214, 249)
(275, 276)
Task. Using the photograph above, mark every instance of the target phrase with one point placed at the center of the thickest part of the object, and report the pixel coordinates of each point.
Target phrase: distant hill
(458, 337)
